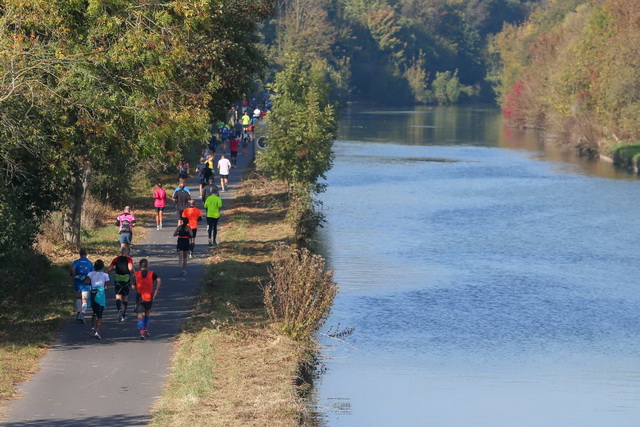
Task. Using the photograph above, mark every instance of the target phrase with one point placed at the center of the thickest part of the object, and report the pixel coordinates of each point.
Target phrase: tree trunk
(75, 202)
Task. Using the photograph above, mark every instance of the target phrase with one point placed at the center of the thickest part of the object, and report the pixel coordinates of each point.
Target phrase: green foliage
(626, 154)
(300, 294)
(373, 45)
(447, 88)
(302, 125)
(302, 213)
(101, 86)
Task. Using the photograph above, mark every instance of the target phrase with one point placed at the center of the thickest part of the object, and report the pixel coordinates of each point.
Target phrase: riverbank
(231, 367)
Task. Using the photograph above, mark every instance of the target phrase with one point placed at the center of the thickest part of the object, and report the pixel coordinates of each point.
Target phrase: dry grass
(231, 367)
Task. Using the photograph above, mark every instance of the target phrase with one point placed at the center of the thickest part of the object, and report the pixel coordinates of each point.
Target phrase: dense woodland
(397, 51)
(573, 68)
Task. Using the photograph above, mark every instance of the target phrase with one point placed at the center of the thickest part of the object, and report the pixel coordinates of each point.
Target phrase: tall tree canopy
(90, 88)
(390, 51)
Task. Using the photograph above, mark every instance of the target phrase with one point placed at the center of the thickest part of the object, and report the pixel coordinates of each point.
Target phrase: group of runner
(91, 283)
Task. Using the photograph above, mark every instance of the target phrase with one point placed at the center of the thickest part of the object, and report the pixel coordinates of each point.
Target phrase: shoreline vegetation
(570, 69)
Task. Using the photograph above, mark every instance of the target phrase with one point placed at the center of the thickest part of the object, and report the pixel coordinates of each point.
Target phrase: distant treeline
(573, 68)
(397, 51)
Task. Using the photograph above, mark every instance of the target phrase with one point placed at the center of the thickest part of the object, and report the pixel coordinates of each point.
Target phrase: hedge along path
(116, 380)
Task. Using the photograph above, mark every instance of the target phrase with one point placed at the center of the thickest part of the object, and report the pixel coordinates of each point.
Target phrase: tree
(302, 125)
(107, 84)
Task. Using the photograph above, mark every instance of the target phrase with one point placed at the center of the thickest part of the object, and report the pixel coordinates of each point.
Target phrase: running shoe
(92, 332)
(119, 316)
(80, 318)
(141, 336)
(123, 318)
(146, 333)
(98, 337)
(191, 255)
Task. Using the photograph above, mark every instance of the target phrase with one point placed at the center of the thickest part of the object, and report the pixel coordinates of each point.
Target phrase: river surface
(491, 281)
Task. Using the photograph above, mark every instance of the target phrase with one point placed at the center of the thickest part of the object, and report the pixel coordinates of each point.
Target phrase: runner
(99, 284)
(233, 148)
(125, 223)
(194, 216)
(204, 173)
(80, 268)
(144, 284)
(183, 169)
(213, 205)
(160, 197)
(181, 197)
(224, 137)
(246, 139)
(184, 234)
(246, 121)
(209, 189)
(223, 166)
(123, 265)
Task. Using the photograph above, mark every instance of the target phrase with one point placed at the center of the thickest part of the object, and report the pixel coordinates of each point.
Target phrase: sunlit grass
(248, 370)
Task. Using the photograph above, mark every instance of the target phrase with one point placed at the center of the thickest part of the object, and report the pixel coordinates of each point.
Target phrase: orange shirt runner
(193, 214)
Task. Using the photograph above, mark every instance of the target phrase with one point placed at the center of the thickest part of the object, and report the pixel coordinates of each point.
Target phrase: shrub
(301, 292)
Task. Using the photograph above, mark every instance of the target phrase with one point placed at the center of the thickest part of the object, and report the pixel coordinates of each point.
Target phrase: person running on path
(183, 169)
(233, 148)
(204, 173)
(160, 197)
(224, 137)
(213, 205)
(184, 234)
(246, 139)
(80, 268)
(146, 293)
(99, 284)
(125, 223)
(123, 265)
(246, 121)
(209, 189)
(181, 197)
(224, 165)
(194, 216)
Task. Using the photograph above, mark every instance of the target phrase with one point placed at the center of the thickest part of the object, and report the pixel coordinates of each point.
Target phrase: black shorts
(159, 209)
(97, 309)
(184, 244)
(122, 289)
(142, 306)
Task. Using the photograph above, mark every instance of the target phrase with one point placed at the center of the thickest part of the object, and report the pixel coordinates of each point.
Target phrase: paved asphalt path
(115, 381)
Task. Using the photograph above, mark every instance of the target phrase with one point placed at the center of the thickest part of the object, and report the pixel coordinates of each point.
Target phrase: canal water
(490, 280)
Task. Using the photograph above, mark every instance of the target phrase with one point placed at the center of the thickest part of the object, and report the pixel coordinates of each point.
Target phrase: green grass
(625, 154)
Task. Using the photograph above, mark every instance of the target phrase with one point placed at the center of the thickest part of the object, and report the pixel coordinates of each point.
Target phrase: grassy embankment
(35, 303)
(231, 367)
(625, 155)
